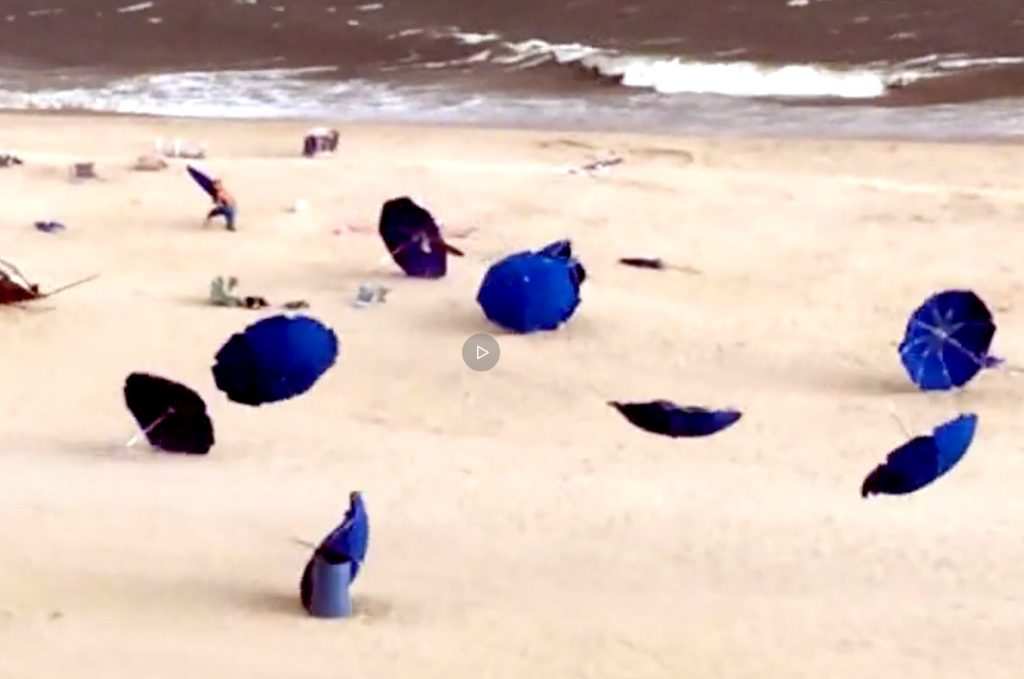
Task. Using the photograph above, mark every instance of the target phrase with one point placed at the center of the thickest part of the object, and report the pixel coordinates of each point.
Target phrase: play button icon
(481, 352)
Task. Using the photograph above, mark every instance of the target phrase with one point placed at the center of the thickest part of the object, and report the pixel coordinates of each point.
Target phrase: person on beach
(223, 206)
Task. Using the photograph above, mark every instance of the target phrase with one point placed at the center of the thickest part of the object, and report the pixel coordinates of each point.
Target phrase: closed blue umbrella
(274, 359)
(947, 340)
(530, 291)
(668, 419)
(922, 459)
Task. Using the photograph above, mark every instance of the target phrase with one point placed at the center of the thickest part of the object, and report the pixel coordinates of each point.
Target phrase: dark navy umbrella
(922, 459)
(669, 419)
(947, 340)
(204, 182)
(172, 417)
(275, 359)
(413, 238)
(529, 291)
(336, 562)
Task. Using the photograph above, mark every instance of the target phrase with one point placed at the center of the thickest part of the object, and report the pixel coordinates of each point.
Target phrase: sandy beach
(520, 527)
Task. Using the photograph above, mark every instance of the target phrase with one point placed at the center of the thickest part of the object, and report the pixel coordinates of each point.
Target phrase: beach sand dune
(519, 526)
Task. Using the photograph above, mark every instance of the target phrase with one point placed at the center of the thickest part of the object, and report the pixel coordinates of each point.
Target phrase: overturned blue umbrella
(414, 239)
(533, 290)
(324, 588)
(668, 419)
(947, 340)
(922, 459)
(274, 359)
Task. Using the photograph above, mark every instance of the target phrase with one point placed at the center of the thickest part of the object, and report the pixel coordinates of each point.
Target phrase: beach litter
(320, 141)
(172, 417)
(80, 171)
(655, 263)
(335, 564)
(149, 163)
(414, 239)
(370, 293)
(9, 158)
(50, 227)
(300, 205)
(222, 294)
(597, 166)
(533, 290)
(15, 288)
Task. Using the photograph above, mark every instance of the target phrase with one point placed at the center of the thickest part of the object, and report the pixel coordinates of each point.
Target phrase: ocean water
(913, 68)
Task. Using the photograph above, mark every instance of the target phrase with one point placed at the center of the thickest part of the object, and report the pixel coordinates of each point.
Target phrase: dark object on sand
(82, 171)
(947, 340)
(413, 238)
(668, 419)
(222, 294)
(655, 263)
(15, 288)
(597, 165)
(922, 459)
(530, 291)
(335, 564)
(320, 140)
(49, 227)
(9, 159)
(274, 359)
(172, 417)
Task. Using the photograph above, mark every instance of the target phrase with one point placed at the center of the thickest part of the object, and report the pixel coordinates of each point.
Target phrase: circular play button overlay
(481, 352)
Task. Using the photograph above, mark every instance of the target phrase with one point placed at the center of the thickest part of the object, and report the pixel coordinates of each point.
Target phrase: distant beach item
(335, 564)
(654, 263)
(300, 205)
(172, 417)
(320, 141)
(15, 288)
(599, 165)
(222, 294)
(79, 171)
(179, 148)
(922, 459)
(50, 227)
(223, 203)
(9, 158)
(413, 238)
(370, 293)
(274, 359)
(947, 339)
(668, 419)
(533, 290)
(150, 163)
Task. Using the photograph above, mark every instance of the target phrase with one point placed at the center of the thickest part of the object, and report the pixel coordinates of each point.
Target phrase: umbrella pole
(135, 438)
(899, 420)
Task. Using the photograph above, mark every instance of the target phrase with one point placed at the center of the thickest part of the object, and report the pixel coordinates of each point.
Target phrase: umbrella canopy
(205, 183)
(345, 544)
(922, 459)
(172, 416)
(668, 419)
(529, 291)
(274, 359)
(947, 340)
(413, 238)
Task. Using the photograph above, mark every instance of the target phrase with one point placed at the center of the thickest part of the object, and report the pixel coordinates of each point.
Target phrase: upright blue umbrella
(922, 459)
(336, 562)
(947, 340)
(533, 290)
(274, 359)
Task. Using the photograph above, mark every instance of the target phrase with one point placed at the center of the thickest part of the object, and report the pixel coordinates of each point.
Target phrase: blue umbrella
(947, 340)
(413, 238)
(205, 183)
(345, 545)
(172, 416)
(529, 291)
(668, 419)
(274, 359)
(922, 459)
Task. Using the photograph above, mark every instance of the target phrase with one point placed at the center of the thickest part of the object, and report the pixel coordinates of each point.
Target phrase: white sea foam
(139, 7)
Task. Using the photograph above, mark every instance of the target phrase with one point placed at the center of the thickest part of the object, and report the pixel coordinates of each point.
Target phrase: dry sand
(520, 527)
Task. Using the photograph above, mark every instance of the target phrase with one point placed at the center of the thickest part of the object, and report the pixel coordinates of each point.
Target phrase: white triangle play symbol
(481, 352)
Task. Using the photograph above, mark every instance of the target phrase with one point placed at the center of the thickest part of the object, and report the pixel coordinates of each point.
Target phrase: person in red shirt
(223, 206)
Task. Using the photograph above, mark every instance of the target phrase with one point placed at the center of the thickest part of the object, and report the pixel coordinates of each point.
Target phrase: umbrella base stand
(329, 585)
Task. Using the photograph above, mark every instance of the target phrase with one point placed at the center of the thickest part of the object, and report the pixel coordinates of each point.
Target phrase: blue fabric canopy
(668, 419)
(345, 545)
(413, 238)
(274, 359)
(947, 340)
(530, 291)
(922, 459)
